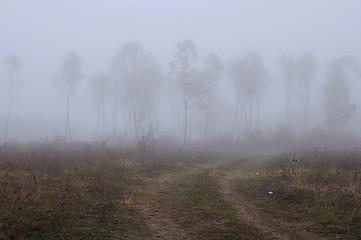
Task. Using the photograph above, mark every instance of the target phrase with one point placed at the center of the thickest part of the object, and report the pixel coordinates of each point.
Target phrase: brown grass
(325, 187)
(52, 193)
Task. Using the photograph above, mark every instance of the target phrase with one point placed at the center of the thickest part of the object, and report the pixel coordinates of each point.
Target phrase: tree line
(133, 86)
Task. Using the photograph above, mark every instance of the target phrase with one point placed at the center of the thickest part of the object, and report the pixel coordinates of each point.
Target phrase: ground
(129, 195)
(164, 216)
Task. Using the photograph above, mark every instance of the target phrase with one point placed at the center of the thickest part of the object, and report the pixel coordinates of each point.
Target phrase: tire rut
(278, 224)
(158, 208)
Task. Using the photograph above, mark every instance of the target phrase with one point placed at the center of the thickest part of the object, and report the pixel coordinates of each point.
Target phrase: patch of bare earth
(158, 208)
(277, 223)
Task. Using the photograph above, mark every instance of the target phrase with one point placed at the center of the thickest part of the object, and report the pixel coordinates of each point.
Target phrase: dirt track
(159, 208)
(275, 223)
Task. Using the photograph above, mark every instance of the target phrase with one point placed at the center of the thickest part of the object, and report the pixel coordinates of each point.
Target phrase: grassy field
(75, 193)
(324, 188)
(104, 193)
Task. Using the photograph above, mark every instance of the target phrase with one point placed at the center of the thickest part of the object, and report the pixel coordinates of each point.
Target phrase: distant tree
(307, 67)
(100, 89)
(236, 69)
(171, 88)
(185, 54)
(14, 65)
(298, 74)
(139, 76)
(196, 97)
(117, 91)
(289, 72)
(67, 79)
(211, 75)
(250, 79)
(336, 104)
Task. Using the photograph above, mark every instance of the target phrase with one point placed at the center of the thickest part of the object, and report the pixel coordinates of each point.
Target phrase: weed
(52, 193)
(216, 218)
(325, 188)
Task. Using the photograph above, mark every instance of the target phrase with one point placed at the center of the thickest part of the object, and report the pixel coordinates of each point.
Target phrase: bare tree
(184, 54)
(250, 79)
(336, 104)
(289, 72)
(14, 66)
(298, 74)
(139, 75)
(117, 89)
(236, 67)
(67, 79)
(100, 89)
(195, 96)
(171, 88)
(307, 67)
(211, 75)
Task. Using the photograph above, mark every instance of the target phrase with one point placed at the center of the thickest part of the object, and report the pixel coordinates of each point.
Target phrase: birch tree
(67, 79)
(100, 89)
(337, 107)
(250, 79)
(307, 67)
(211, 76)
(298, 74)
(289, 73)
(185, 54)
(14, 66)
(138, 75)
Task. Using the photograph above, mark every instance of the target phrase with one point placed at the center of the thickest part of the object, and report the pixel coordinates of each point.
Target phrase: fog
(41, 34)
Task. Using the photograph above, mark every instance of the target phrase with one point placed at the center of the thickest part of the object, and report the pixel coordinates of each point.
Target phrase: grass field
(50, 194)
(105, 193)
(324, 188)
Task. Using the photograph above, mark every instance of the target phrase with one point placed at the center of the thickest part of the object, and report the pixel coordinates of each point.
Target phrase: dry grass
(325, 186)
(52, 193)
(212, 216)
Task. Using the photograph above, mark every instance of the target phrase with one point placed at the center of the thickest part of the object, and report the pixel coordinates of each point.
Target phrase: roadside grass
(326, 191)
(47, 193)
(213, 216)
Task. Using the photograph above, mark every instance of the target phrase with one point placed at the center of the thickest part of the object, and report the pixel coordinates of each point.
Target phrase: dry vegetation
(98, 192)
(76, 192)
(325, 187)
(213, 216)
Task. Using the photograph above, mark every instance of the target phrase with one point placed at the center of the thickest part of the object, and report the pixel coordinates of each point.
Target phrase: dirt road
(166, 216)
(159, 207)
(277, 224)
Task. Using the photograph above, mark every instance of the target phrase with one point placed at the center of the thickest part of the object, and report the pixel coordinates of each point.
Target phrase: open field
(320, 191)
(103, 193)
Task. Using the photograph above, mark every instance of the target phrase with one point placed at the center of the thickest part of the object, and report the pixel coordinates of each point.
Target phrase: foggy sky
(42, 32)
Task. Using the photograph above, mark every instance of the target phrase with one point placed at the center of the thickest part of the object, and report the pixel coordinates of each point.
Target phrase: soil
(160, 218)
(276, 223)
(158, 208)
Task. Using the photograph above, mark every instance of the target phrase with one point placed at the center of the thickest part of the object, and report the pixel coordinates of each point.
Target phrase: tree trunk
(11, 80)
(7, 120)
(245, 113)
(185, 129)
(235, 115)
(135, 120)
(67, 126)
(258, 114)
(250, 114)
(103, 120)
(98, 120)
(288, 109)
(206, 124)
(172, 112)
(115, 118)
(307, 104)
